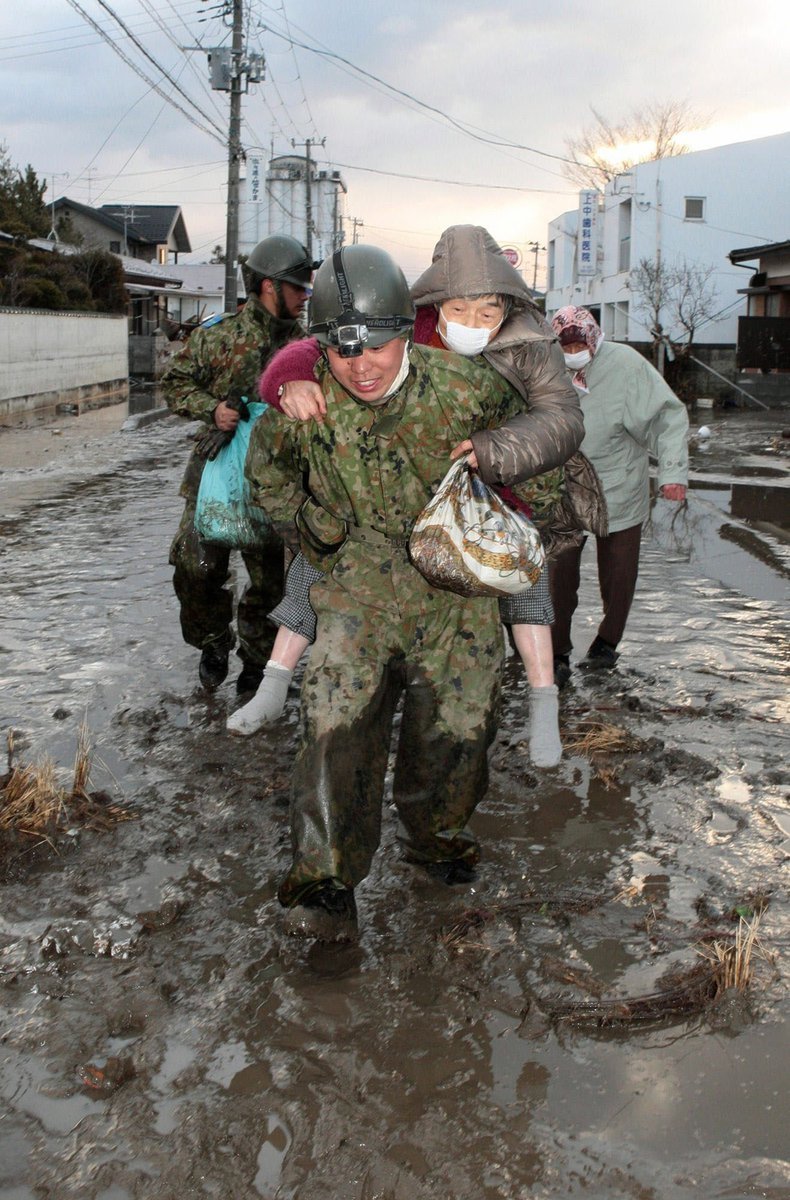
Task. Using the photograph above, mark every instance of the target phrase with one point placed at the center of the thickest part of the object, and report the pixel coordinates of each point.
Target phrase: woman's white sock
(266, 705)
(545, 747)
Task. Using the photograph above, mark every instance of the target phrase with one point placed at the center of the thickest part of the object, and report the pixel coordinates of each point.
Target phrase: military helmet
(360, 298)
(281, 257)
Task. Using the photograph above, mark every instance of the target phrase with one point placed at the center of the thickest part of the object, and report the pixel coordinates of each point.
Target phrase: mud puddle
(160, 1038)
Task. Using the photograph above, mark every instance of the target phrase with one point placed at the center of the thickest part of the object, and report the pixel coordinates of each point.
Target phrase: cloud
(525, 72)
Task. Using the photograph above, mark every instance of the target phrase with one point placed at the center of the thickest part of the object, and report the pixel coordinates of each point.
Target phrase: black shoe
(601, 655)
(249, 679)
(451, 871)
(213, 667)
(562, 669)
(328, 913)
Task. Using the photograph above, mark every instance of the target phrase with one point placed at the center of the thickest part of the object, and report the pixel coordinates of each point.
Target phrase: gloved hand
(239, 403)
(209, 443)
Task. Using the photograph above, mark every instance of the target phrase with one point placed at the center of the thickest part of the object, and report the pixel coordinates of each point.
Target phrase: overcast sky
(515, 70)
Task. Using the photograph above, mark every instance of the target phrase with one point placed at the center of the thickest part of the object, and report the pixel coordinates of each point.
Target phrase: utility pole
(535, 247)
(357, 224)
(234, 161)
(308, 200)
(227, 68)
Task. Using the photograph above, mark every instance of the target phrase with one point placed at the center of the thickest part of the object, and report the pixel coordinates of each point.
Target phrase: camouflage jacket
(375, 468)
(225, 360)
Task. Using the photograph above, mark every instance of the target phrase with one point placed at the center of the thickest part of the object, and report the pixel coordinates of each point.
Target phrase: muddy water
(238, 1065)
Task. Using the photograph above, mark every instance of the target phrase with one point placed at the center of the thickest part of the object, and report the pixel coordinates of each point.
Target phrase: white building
(689, 210)
(280, 199)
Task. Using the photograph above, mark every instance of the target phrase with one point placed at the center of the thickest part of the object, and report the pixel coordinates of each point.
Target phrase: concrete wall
(51, 358)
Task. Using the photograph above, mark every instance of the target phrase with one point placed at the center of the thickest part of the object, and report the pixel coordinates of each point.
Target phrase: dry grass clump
(35, 805)
(601, 743)
(592, 738)
(731, 959)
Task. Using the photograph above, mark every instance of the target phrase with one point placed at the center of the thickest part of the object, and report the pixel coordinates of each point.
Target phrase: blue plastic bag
(224, 512)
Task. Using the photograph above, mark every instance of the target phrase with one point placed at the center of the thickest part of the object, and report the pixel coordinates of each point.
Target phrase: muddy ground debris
(162, 1039)
(37, 807)
(729, 959)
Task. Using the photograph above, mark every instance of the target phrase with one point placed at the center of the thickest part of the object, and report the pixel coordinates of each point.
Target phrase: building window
(695, 208)
(624, 235)
(161, 255)
(552, 264)
(115, 247)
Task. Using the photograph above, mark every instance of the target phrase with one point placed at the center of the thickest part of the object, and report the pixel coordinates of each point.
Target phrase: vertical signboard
(587, 238)
(254, 188)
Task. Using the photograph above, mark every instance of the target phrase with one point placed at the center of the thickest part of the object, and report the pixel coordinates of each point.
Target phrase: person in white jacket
(630, 413)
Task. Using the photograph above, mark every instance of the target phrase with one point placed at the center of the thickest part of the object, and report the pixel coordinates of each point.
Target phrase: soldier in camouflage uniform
(207, 380)
(394, 415)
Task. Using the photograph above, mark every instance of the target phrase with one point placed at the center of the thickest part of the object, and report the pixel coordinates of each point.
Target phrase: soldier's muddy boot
(328, 913)
(601, 656)
(562, 669)
(452, 871)
(213, 666)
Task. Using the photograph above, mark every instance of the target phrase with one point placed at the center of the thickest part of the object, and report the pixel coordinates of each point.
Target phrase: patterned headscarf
(572, 324)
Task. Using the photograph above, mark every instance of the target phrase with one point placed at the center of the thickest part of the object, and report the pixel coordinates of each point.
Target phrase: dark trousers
(618, 568)
(206, 603)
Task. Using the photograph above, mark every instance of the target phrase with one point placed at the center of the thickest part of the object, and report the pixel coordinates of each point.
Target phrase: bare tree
(694, 298)
(607, 148)
(683, 291)
(686, 295)
(652, 284)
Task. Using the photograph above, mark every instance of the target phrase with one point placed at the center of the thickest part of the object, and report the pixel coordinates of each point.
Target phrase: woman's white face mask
(575, 362)
(466, 340)
(467, 324)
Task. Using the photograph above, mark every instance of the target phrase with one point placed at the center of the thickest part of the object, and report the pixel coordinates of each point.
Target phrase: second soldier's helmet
(360, 298)
(280, 257)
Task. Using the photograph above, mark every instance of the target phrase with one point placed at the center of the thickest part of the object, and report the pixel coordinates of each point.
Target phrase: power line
(121, 170)
(298, 72)
(78, 40)
(454, 182)
(111, 11)
(199, 76)
(162, 170)
(212, 132)
(479, 135)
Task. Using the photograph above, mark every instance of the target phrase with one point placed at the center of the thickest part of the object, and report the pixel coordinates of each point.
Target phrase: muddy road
(161, 1039)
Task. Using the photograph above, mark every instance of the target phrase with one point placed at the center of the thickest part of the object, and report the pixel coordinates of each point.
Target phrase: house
(152, 232)
(763, 350)
(764, 332)
(201, 294)
(682, 213)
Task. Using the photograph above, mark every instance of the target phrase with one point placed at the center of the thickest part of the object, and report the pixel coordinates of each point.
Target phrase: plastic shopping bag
(467, 540)
(224, 512)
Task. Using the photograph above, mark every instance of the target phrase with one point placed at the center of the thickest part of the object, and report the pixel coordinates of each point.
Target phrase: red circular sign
(512, 256)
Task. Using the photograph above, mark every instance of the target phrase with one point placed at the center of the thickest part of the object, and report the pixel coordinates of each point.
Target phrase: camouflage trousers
(200, 577)
(383, 634)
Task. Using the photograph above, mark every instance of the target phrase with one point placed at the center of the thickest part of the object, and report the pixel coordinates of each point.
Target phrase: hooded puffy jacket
(468, 262)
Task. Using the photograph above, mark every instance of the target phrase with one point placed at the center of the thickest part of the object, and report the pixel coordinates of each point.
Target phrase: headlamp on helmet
(381, 310)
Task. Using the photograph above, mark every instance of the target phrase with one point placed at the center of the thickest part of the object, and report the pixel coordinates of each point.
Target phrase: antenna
(52, 236)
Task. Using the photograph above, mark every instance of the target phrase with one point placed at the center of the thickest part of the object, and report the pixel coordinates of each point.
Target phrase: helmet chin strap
(282, 312)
